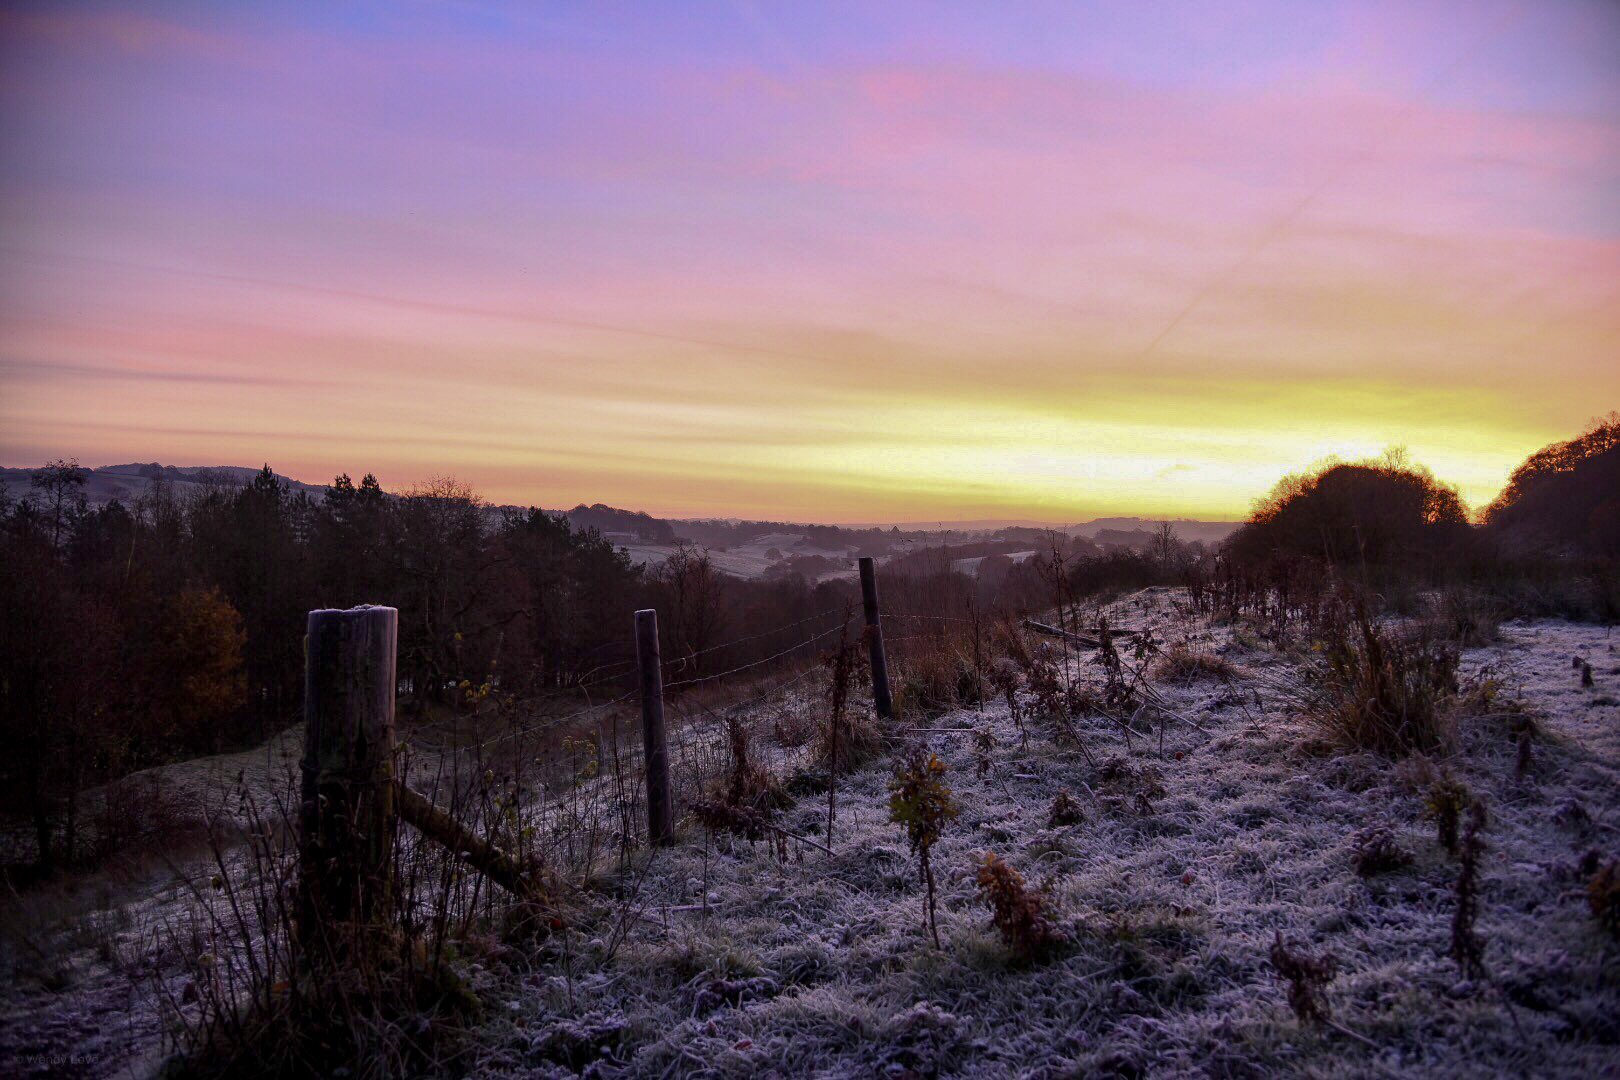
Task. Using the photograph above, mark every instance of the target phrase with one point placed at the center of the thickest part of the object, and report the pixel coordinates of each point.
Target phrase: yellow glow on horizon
(1003, 274)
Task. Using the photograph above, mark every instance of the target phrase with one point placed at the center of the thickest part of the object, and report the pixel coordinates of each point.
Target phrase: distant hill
(126, 483)
(638, 529)
(1209, 532)
(614, 523)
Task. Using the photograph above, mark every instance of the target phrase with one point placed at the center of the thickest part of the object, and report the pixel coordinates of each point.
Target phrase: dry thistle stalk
(1445, 802)
(840, 663)
(744, 807)
(921, 803)
(1467, 947)
(1119, 693)
(1004, 678)
(984, 741)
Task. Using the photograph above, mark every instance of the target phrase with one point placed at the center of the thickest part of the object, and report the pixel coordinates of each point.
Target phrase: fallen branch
(800, 839)
(1053, 631)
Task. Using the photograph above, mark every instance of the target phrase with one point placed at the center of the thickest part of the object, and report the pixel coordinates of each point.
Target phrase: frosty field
(1220, 822)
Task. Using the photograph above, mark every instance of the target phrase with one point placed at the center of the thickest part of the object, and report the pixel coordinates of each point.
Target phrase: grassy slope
(820, 966)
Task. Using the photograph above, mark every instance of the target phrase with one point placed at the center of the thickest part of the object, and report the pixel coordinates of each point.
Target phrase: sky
(819, 262)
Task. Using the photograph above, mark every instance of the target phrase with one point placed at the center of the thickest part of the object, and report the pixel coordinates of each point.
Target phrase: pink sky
(820, 262)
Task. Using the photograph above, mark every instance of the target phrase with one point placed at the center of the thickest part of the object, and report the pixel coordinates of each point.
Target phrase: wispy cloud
(886, 259)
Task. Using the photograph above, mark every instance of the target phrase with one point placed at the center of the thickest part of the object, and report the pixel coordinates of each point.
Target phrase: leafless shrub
(1466, 617)
(139, 811)
(1375, 850)
(1467, 946)
(1017, 911)
(849, 738)
(1307, 977)
(748, 795)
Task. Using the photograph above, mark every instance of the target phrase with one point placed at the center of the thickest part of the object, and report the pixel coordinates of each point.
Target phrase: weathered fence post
(346, 818)
(660, 828)
(874, 641)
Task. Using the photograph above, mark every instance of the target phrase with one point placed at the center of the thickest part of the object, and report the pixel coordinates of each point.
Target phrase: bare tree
(1166, 546)
(694, 590)
(61, 483)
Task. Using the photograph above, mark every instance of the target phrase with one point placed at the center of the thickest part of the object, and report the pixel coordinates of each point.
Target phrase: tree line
(135, 634)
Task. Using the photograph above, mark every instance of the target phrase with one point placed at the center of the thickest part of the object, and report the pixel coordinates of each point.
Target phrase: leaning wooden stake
(495, 864)
(346, 816)
(874, 641)
(660, 823)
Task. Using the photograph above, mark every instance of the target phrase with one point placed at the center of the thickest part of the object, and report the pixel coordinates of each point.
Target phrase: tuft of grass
(1377, 689)
(1139, 784)
(936, 680)
(792, 728)
(1182, 664)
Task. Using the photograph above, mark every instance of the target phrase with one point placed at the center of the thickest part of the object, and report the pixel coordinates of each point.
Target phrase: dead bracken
(1307, 977)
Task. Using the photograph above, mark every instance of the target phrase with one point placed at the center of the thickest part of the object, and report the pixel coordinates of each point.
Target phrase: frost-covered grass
(719, 957)
(738, 962)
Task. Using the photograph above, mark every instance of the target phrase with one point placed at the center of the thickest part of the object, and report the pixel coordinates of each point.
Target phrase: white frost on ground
(737, 962)
(742, 964)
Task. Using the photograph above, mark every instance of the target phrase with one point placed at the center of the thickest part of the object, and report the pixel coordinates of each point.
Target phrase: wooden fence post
(660, 827)
(346, 817)
(874, 641)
